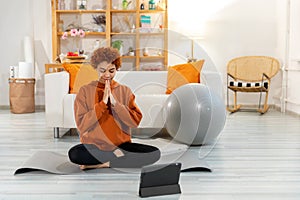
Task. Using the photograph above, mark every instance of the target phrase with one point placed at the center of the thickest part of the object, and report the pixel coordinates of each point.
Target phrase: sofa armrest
(56, 87)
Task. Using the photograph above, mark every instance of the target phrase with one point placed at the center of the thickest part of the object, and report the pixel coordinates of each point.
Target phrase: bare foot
(104, 165)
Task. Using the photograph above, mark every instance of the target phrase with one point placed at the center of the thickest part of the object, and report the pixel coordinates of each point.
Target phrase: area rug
(57, 163)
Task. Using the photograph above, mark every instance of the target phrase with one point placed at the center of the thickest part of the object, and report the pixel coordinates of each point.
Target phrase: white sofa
(148, 86)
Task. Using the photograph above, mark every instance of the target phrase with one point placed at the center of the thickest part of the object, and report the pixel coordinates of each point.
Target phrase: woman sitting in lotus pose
(105, 112)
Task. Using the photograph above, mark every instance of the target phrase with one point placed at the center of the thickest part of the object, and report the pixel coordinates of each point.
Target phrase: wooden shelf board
(122, 33)
(87, 33)
(123, 11)
(151, 11)
(153, 34)
(128, 57)
(152, 57)
(80, 11)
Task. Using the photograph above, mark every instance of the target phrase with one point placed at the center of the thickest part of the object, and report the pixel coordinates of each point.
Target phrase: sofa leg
(56, 132)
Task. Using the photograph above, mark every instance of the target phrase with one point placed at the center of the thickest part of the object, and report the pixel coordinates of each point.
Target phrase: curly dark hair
(108, 54)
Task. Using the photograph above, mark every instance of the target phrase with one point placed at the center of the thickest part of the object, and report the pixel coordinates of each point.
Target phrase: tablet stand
(160, 190)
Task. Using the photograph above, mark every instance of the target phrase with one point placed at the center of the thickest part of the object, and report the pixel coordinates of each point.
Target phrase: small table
(53, 67)
(58, 67)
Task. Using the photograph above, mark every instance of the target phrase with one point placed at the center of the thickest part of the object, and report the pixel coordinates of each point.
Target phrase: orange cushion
(181, 74)
(80, 74)
(85, 75)
(73, 70)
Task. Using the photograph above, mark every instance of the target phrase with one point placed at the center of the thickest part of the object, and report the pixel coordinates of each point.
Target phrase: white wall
(236, 28)
(42, 42)
(229, 28)
(19, 19)
(15, 24)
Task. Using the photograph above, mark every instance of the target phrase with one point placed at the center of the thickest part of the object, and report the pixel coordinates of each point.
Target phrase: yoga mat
(56, 163)
(48, 161)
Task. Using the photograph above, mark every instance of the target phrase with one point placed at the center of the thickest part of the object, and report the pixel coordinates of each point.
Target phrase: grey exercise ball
(194, 114)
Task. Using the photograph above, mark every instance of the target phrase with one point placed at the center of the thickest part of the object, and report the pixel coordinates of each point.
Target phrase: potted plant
(100, 20)
(130, 51)
(117, 44)
(125, 4)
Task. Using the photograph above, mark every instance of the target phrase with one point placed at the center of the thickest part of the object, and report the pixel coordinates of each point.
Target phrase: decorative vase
(101, 28)
(145, 52)
(131, 53)
(96, 44)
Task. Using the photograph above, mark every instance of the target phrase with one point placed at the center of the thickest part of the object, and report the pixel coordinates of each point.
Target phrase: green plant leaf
(117, 44)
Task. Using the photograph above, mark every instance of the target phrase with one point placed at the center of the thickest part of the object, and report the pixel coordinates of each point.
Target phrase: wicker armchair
(250, 74)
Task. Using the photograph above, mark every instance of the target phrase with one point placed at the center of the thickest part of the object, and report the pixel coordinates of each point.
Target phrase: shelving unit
(121, 24)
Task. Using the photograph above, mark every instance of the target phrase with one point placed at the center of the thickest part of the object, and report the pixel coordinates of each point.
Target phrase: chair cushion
(248, 84)
(181, 74)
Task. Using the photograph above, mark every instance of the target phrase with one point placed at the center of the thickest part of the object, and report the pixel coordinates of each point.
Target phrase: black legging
(135, 155)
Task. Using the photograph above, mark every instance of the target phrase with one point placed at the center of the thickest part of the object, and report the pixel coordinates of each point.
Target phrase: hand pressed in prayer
(107, 91)
(108, 94)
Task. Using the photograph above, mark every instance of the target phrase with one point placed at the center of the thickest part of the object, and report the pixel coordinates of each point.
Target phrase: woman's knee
(156, 153)
(153, 152)
(73, 155)
(137, 148)
(153, 149)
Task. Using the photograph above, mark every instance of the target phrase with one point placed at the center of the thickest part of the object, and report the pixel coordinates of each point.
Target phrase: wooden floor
(256, 157)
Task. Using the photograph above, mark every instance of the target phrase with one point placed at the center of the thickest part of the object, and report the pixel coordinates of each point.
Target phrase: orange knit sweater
(106, 126)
